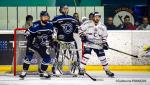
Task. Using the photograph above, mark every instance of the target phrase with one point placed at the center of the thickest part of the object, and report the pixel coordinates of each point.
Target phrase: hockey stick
(94, 79)
(123, 52)
(117, 50)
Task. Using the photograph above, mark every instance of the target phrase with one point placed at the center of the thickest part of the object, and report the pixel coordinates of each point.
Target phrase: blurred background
(13, 12)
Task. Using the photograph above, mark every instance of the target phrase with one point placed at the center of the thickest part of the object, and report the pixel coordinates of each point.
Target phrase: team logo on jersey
(67, 28)
(43, 39)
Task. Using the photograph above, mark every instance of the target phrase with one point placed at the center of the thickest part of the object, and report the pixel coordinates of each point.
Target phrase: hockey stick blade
(123, 52)
(94, 79)
(90, 76)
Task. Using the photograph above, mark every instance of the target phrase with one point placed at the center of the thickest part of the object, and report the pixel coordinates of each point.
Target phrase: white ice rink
(121, 78)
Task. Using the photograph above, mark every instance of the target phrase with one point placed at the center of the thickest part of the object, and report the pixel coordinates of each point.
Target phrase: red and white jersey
(96, 34)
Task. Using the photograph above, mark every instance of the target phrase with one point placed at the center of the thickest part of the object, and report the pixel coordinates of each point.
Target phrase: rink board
(34, 68)
(128, 41)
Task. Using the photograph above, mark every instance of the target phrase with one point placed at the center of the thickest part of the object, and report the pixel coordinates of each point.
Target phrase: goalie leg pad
(60, 64)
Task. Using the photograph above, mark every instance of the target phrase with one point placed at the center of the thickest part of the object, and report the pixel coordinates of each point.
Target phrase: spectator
(109, 24)
(28, 23)
(76, 16)
(126, 25)
(145, 24)
(91, 15)
(84, 19)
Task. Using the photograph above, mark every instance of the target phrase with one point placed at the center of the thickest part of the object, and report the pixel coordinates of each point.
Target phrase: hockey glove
(53, 43)
(105, 46)
(83, 38)
(26, 34)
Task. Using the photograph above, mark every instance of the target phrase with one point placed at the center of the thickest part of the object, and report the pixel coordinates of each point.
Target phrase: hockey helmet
(44, 13)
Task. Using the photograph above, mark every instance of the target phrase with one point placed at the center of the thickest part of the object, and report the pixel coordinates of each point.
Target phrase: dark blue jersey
(66, 25)
(39, 34)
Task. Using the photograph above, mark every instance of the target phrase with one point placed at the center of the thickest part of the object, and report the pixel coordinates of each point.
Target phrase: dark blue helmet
(44, 13)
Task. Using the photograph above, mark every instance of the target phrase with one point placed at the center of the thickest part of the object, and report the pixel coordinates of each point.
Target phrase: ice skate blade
(44, 78)
(21, 78)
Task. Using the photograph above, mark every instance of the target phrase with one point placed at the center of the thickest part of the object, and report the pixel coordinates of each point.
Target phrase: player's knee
(27, 60)
(46, 60)
(100, 53)
(28, 57)
(87, 50)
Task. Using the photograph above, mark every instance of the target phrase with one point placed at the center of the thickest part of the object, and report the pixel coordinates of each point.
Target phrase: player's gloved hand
(105, 46)
(50, 32)
(26, 34)
(53, 43)
(83, 38)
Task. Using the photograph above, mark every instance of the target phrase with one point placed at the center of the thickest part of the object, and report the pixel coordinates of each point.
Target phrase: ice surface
(121, 78)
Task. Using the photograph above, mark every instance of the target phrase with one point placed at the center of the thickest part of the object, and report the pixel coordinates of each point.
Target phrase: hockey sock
(44, 67)
(25, 66)
(84, 60)
(104, 62)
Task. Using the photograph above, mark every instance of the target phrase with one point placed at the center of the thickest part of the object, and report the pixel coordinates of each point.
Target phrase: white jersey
(96, 34)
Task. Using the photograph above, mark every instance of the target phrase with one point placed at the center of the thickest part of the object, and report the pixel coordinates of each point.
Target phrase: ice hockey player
(37, 37)
(66, 26)
(94, 36)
